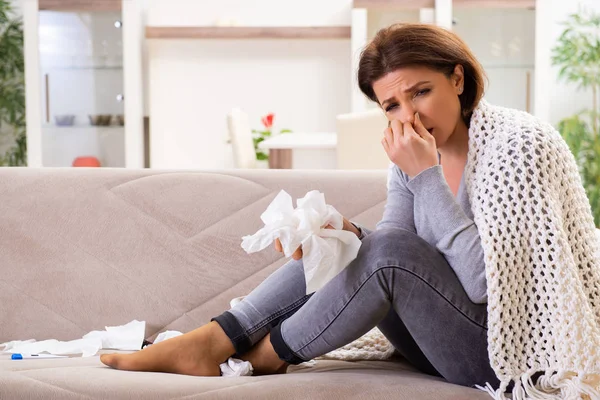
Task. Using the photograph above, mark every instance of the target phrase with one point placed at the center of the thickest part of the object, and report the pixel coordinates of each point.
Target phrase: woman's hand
(410, 146)
(348, 226)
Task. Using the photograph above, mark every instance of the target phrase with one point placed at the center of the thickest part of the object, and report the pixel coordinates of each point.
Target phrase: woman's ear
(458, 78)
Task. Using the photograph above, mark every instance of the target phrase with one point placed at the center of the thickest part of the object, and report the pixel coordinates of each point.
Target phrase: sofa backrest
(84, 248)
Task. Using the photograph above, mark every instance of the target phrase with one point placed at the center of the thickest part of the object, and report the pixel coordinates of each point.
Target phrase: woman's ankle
(221, 346)
(264, 359)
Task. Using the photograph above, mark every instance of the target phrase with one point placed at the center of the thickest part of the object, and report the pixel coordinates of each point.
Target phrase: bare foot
(198, 353)
(264, 360)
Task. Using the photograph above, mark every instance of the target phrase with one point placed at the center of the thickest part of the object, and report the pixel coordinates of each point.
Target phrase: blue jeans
(398, 282)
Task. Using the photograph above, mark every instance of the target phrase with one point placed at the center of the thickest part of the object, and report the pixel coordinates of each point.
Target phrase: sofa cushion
(87, 378)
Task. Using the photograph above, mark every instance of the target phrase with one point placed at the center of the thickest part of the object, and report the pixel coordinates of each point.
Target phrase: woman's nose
(407, 114)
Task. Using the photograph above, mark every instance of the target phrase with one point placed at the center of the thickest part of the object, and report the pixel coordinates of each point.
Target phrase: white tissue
(85, 347)
(235, 367)
(11, 345)
(167, 335)
(236, 301)
(124, 337)
(326, 252)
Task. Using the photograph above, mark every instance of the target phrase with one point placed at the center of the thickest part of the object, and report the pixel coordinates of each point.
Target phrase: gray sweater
(426, 206)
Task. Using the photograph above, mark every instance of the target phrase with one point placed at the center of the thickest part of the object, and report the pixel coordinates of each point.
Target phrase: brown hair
(404, 45)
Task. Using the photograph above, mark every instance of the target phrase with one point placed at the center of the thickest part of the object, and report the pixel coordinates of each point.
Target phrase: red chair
(87, 161)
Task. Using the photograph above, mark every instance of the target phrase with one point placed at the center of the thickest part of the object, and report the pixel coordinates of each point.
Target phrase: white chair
(240, 135)
(359, 140)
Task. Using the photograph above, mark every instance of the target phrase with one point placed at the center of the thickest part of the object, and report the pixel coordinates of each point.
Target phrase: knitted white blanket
(371, 346)
(541, 253)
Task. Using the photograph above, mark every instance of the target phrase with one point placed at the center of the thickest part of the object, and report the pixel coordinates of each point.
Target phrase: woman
(421, 275)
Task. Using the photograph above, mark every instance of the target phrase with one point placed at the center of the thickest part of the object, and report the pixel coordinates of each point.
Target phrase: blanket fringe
(553, 385)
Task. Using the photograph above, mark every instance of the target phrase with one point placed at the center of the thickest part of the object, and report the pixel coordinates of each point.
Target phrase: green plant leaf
(12, 85)
(262, 156)
(577, 56)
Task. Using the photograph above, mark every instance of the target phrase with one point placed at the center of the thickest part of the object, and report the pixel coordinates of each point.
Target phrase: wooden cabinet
(80, 5)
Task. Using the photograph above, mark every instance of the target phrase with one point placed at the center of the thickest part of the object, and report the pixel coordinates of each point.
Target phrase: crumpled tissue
(235, 367)
(326, 252)
(166, 335)
(124, 337)
(231, 367)
(236, 301)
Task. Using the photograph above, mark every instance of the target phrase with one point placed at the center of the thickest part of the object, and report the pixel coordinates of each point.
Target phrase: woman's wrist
(350, 227)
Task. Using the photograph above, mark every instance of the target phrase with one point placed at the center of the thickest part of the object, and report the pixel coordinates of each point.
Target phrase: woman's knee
(387, 247)
(393, 243)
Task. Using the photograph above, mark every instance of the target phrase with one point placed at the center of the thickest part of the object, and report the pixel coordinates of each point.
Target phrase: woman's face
(403, 92)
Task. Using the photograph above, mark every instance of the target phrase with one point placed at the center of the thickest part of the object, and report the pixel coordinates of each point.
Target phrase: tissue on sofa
(326, 252)
(123, 337)
(86, 347)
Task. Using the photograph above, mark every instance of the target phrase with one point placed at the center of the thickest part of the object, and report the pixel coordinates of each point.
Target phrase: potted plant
(577, 54)
(12, 86)
(260, 135)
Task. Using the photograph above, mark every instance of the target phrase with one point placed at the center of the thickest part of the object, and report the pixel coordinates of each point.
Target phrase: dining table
(301, 150)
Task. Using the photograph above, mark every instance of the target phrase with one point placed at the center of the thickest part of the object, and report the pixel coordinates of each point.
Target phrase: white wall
(194, 83)
(554, 100)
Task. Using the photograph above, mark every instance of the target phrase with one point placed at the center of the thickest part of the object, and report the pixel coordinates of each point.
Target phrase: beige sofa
(84, 248)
